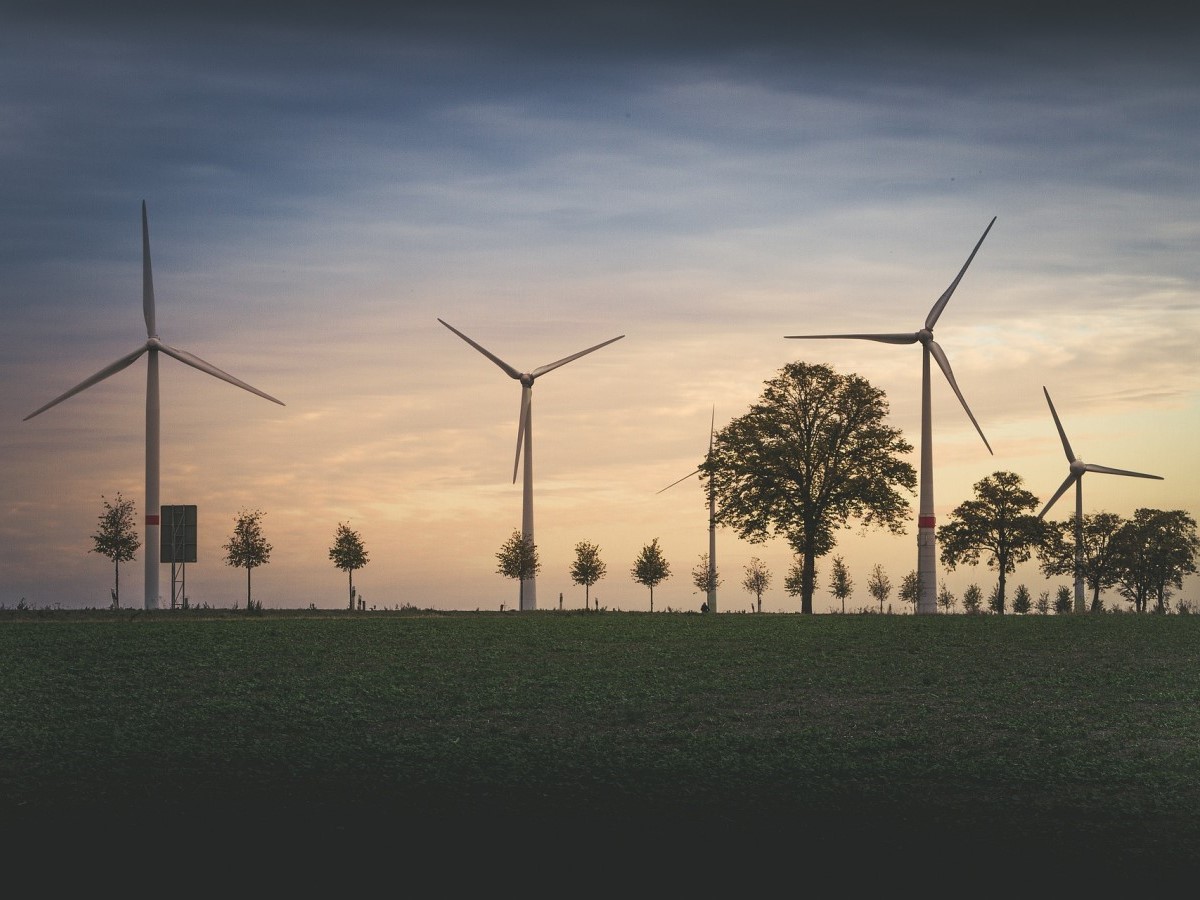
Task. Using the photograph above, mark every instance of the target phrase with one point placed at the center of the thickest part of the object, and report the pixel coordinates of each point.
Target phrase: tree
(116, 538)
(1043, 603)
(946, 599)
(348, 554)
(1063, 603)
(998, 524)
(518, 558)
(972, 600)
(841, 585)
(879, 585)
(651, 568)
(757, 580)
(1022, 600)
(910, 589)
(1154, 551)
(1056, 551)
(587, 569)
(248, 548)
(706, 578)
(810, 455)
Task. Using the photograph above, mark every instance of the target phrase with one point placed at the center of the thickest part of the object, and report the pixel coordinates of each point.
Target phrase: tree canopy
(116, 537)
(706, 577)
(879, 585)
(812, 454)
(1056, 553)
(1154, 551)
(999, 525)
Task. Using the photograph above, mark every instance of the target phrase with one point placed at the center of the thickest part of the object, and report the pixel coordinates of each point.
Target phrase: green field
(1071, 738)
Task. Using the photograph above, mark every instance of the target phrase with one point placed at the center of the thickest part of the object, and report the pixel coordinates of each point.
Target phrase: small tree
(946, 599)
(879, 585)
(588, 568)
(248, 548)
(706, 578)
(518, 558)
(1043, 603)
(973, 600)
(757, 580)
(348, 554)
(1022, 600)
(1063, 602)
(910, 589)
(841, 585)
(650, 568)
(116, 538)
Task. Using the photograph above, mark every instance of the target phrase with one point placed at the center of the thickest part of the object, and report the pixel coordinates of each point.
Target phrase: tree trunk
(1000, 592)
(587, 602)
(249, 569)
(651, 598)
(807, 577)
(350, 573)
(116, 585)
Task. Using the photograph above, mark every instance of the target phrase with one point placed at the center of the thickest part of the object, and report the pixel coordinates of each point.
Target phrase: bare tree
(757, 580)
(879, 585)
(706, 578)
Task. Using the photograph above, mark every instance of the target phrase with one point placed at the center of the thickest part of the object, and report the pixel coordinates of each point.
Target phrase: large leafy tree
(247, 548)
(116, 538)
(518, 558)
(811, 455)
(348, 553)
(757, 579)
(1155, 550)
(1056, 553)
(587, 569)
(998, 525)
(650, 568)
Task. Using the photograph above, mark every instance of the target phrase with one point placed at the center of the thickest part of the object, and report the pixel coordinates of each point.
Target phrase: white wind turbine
(926, 532)
(528, 591)
(712, 520)
(1075, 476)
(152, 347)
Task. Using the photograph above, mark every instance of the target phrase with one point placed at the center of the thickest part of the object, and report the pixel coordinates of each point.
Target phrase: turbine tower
(712, 519)
(152, 347)
(528, 589)
(926, 522)
(1075, 476)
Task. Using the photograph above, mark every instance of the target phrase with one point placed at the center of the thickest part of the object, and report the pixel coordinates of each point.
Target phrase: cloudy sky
(322, 187)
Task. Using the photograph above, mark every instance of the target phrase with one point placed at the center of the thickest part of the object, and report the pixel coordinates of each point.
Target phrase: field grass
(1073, 739)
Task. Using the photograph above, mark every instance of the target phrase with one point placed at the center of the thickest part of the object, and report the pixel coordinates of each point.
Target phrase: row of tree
(117, 539)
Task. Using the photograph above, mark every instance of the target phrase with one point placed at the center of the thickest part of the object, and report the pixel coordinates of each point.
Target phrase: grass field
(1071, 739)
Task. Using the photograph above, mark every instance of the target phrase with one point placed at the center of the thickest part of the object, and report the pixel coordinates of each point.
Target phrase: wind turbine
(712, 519)
(152, 347)
(1075, 476)
(926, 532)
(528, 592)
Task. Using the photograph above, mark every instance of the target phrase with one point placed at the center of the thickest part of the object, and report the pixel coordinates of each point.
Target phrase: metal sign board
(178, 535)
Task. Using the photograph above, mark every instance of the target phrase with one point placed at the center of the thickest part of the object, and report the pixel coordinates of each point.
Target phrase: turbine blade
(522, 426)
(1090, 467)
(509, 370)
(147, 277)
(1058, 424)
(944, 365)
(196, 362)
(673, 483)
(1071, 479)
(909, 338)
(542, 370)
(110, 369)
(932, 318)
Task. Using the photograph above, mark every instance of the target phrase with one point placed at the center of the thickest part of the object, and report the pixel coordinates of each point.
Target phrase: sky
(324, 184)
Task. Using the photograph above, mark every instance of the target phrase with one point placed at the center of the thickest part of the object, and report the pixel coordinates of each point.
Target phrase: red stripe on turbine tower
(925, 521)
(151, 520)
